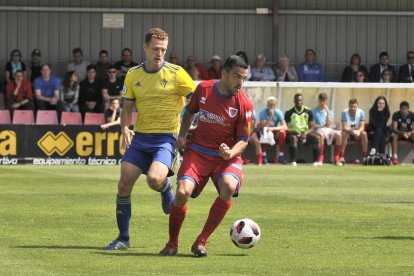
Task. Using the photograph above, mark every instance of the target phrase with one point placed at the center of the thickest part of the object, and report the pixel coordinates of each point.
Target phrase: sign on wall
(113, 20)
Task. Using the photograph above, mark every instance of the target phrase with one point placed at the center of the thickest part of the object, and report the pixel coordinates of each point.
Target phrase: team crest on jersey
(138, 84)
(248, 114)
(203, 100)
(164, 83)
(233, 112)
(124, 90)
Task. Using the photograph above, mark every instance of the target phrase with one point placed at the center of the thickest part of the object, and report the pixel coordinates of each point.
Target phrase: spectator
(301, 127)
(19, 93)
(376, 70)
(272, 120)
(254, 140)
(125, 63)
(353, 128)
(102, 65)
(15, 63)
(174, 59)
(386, 76)
(112, 114)
(324, 128)
(407, 70)
(35, 65)
(78, 65)
(378, 129)
(349, 73)
(197, 71)
(69, 92)
(285, 72)
(111, 87)
(47, 90)
(311, 70)
(215, 70)
(90, 93)
(360, 76)
(244, 56)
(262, 72)
(403, 128)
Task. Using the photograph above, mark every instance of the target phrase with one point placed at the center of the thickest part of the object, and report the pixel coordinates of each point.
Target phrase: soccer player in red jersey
(213, 151)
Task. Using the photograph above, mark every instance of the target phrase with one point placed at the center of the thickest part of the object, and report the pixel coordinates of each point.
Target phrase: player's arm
(395, 127)
(228, 153)
(126, 119)
(186, 122)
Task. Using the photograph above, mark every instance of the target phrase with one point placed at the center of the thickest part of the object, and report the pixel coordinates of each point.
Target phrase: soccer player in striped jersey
(158, 90)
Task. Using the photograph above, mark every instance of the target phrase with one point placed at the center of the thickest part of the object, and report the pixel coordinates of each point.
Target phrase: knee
(155, 181)
(182, 194)
(124, 187)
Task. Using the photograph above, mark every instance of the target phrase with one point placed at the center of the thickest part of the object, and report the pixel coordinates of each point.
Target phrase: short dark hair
(103, 52)
(77, 50)
(110, 67)
(404, 104)
(90, 66)
(322, 96)
(409, 53)
(234, 61)
(126, 49)
(353, 101)
(18, 71)
(297, 95)
(310, 50)
(45, 64)
(383, 54)
(157, 33)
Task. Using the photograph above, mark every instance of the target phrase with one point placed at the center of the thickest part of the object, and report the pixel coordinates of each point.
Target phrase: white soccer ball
(245, 233)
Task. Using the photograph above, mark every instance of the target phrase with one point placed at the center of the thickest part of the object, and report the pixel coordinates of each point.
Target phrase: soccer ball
(245, 233)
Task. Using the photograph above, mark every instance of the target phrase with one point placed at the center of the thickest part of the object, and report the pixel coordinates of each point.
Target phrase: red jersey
(220, 119)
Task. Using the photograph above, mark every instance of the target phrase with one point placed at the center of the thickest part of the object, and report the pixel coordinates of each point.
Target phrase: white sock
(372, 152)
(395, 156)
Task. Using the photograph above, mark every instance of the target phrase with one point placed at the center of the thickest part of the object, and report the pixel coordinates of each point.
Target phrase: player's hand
(127, 135)
(225, 151)
(181, 142)
(406, 135)
(356, 132)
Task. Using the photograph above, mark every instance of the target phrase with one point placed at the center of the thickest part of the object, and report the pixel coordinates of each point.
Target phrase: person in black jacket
(376, 70)
(349, 73)
(407, 70)
(378, 129)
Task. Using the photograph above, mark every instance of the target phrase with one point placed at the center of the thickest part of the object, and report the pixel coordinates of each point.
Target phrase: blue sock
(167, 186)
(123, 215)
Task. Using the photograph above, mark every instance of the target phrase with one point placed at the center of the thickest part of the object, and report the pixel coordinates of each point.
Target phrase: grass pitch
(324, 220)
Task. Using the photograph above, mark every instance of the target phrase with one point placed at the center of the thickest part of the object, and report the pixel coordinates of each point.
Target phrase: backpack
(378, 159)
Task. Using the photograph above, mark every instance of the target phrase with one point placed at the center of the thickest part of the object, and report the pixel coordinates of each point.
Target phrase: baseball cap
(36, 52)
(216, 57)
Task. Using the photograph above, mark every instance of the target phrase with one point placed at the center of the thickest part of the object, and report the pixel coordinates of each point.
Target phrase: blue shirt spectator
(320, 116)
(276, 118)
(311, 70)
(353, 120)
(47, 87)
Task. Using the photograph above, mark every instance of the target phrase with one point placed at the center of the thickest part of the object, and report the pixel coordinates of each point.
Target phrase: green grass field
(350, 220)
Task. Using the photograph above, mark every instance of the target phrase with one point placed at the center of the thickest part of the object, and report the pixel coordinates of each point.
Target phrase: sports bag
(378, 159)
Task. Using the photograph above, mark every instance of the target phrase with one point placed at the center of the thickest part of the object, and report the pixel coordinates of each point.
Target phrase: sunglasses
(111, 72)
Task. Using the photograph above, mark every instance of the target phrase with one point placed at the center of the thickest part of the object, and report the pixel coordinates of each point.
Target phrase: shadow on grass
(58, 247)
(137, 254)
(397, 238)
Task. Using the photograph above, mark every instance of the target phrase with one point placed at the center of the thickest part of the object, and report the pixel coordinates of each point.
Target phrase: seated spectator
(174, 59)
(35, 64)
(215, 70)
(353, 128)
(19, 93)
(125, 63)
(349, 73)
(272, 120)
(47, 91)
(90, 93)
(311, 70)
(376, 70)
(254, 140)
(244, 56)
(15, 64)
(386, 76)
(403, 129)
(69, 92)
(300, 129)
(324, 128)
(112, 114)
(378, 129)
(262, 72)
(102, 65)
(78, 65)
(197, 71)
(111, 87)
(407, 70)
(360, 76)
(285, 72)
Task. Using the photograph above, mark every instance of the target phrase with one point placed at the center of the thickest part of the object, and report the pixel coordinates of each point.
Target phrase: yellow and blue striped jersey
(159, 96)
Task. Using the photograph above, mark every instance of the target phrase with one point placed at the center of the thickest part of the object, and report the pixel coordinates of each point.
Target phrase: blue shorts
(146, 148)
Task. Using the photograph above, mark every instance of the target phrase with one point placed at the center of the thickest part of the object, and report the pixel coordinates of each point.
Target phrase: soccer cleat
(342, 160)
(282, 159)
(265, 161)
(294, 164)
(118, 244)
(170, 249)
(315, 164)
(395, 161)
(199, 249)
(167, 197)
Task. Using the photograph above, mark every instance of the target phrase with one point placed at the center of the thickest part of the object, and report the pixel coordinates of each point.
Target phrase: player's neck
(222, 90)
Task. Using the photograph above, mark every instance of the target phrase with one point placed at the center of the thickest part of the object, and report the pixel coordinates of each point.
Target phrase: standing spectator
(386, 76)
(90, 92)
(403, 128)
(15, 63)
(102, 65)
(301, 129)
(349, 73)
(285, 72)
(215, 70)
(35, 65)
(112, 87)
(197, 71)
(262, 72)
(47, 91)
(112, 114)
(78, 65)
(407, 70)
(360, 76)
(353, 128)
(311, 70)
(125, 63)
(174, 58)
(376, 70)
(19, 93)
(244, 56)
(378, 129)
(69, 92)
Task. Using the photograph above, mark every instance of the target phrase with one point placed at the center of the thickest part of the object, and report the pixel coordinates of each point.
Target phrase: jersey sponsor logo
(51, 143)
(207, 117)
(237, 166)
(124, 90)
(164, 83)
(203, 100)
(233, 112)
(138, 84)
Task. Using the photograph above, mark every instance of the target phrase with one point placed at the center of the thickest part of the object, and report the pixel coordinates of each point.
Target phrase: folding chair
(47, 117)
(23, 117)
(5, 117)
(94, 118)
(71, 118)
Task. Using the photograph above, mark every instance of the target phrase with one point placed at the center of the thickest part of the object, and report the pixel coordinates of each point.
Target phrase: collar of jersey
(155, 71)
(299, 111)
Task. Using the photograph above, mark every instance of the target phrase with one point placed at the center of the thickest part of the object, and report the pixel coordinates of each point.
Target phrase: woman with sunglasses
(15, 64)
(349, 73)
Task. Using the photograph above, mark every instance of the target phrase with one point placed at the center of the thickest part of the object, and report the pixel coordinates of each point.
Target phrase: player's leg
(394, 144)
(314, 140)
(254, 140)
(344, 139)
(281, 142)
(363, 136)
(338, 147)
(321, 137)
(293, 147)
